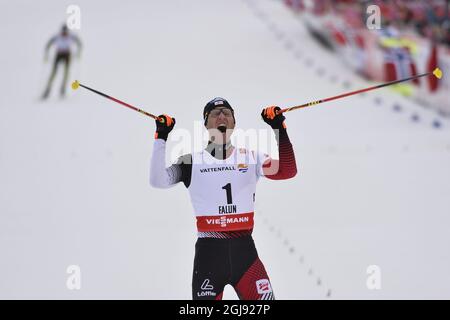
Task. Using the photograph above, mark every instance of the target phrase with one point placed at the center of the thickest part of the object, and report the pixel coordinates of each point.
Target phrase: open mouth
(222, 127)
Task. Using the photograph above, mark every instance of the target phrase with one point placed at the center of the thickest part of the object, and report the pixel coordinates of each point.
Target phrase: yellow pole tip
(75, 85)
(437, 73)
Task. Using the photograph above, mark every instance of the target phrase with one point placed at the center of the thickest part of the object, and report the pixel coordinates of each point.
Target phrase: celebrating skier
(221, 180)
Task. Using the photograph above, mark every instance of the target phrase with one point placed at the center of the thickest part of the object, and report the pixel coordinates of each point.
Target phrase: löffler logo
(206, 285)
(207, 289)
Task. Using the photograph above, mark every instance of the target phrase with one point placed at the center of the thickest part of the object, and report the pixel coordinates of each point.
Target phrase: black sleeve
(185, 164)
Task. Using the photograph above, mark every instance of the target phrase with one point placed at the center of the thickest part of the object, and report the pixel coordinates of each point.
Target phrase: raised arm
(285, 167)
(160, 176)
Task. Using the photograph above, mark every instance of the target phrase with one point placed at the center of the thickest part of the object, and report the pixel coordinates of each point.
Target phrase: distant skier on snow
(63, 43)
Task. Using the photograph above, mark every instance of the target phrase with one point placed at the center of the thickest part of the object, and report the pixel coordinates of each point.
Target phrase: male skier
(63, 43)
(221, 180)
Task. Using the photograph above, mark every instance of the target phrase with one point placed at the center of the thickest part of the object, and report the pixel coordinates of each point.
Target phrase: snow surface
(372, 188)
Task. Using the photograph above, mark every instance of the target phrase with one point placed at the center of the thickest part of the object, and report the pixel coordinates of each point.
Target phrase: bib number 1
(227, 187)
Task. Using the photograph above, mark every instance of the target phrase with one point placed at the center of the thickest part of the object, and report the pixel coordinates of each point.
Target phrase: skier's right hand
(164, 124)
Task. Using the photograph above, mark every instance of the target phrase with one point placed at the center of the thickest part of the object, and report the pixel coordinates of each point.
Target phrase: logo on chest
(242, 167)
(218, 169)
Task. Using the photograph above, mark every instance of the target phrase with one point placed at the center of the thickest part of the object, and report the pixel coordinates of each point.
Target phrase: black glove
(270, 116)
(164, 124)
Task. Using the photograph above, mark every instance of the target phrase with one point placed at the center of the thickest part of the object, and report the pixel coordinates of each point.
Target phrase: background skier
(63, 42)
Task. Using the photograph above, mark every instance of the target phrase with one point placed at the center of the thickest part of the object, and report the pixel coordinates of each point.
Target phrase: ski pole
(76, 84)
(436, 72)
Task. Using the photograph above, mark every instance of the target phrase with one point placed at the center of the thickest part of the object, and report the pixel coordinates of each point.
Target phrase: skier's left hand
(274, 119)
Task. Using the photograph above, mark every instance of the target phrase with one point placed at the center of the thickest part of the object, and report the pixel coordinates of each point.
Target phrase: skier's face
(220, 117)
(220, 124)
